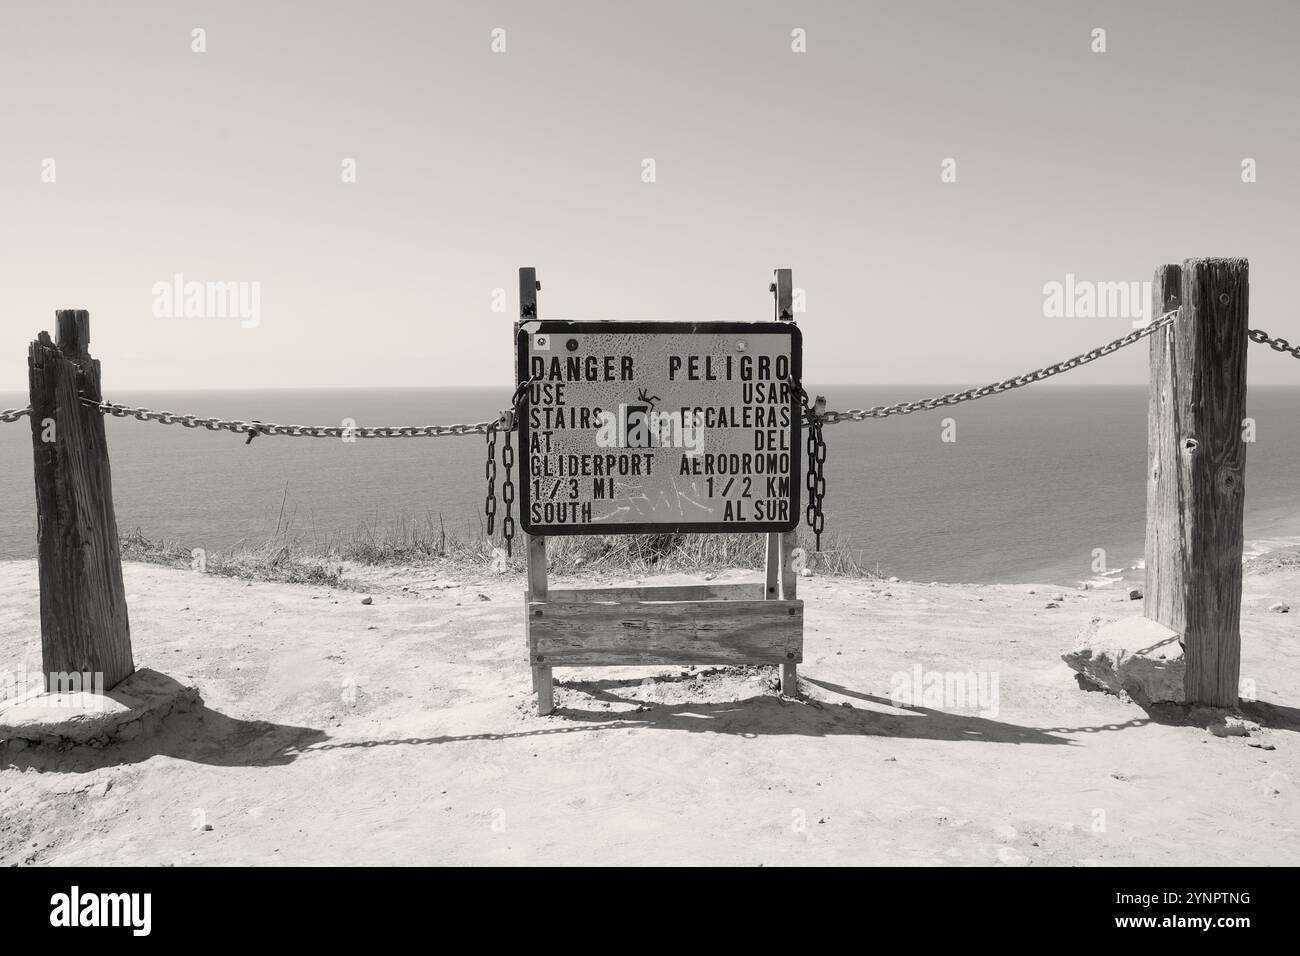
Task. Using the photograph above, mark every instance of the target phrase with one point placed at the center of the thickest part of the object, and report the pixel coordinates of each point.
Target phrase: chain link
(816, 477)
(254, 428)
(1277, 345)
(508, 492)
(490, 503)
(970, 394)
(509, 419)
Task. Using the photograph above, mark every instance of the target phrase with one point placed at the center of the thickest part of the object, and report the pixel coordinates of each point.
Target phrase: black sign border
(561, 326)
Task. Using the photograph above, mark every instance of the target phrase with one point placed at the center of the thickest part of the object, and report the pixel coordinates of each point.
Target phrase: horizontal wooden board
(577, 634)
(747, 591)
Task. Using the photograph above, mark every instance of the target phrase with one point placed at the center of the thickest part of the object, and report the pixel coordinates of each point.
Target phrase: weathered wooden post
(543, 678)
(780, 578)
(1196, 469)
(84, 627)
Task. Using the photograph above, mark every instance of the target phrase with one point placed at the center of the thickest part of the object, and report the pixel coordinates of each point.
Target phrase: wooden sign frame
(562, 329)
(748, 623)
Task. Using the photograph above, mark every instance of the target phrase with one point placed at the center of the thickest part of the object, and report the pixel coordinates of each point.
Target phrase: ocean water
(1036, 480)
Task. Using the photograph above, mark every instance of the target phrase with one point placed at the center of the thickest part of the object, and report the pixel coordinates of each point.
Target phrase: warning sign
(635, 427)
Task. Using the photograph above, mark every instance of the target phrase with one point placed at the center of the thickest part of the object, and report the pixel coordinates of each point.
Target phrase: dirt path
(403, 732)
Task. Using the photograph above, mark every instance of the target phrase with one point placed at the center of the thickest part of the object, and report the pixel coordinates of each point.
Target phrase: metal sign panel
(634, 427)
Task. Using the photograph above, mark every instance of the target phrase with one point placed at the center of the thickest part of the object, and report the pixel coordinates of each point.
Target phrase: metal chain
(508, 492)
(956, 398)
(10, 415)
(1277, 345)
(254, 428)
(509, 419)
(490, 503)
(816, 477)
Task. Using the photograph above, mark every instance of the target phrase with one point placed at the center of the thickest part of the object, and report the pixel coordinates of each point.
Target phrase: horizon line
(439, 388)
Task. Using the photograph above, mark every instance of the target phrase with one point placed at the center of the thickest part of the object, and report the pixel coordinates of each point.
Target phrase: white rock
(1232, 726)
(1133, 655)
(1281, 607)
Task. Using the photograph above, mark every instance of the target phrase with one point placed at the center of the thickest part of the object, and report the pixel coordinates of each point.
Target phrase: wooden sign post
(664, 427)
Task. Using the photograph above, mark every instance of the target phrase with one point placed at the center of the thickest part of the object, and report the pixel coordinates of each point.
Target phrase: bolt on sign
(634, 427)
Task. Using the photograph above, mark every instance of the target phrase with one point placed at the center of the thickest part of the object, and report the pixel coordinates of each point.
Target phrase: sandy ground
(404, 732)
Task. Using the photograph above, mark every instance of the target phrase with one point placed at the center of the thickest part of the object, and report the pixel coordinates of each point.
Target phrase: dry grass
(272, 561)
(288, 555)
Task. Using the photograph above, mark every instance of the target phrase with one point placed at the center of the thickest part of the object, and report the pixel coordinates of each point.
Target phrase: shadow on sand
(200, 735)
(762, 715)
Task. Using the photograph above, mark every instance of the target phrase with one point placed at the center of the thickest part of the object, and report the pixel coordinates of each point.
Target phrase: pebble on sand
(367, 600)
(1281, 607)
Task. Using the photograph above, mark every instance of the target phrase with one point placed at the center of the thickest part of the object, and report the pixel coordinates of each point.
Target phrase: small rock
(367, 600)
(805, 572)
(1231, 726)
(1261, 744)
(1031, 591)
(1135, 594)
(1281, 607)
(893, 580)
(207, 827)
(484, 597)
(1059, 597)
(1051, 604)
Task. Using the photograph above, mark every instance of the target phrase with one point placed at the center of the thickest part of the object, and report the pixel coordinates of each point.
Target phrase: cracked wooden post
(543, 681)
(1196, 470)
(1162, 596)
(84, 626)
(779, 574)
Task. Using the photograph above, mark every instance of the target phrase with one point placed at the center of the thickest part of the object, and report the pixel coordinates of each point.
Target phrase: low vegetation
(296, 557)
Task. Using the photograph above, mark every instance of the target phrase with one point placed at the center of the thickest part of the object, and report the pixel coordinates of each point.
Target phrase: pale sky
(225, 166)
